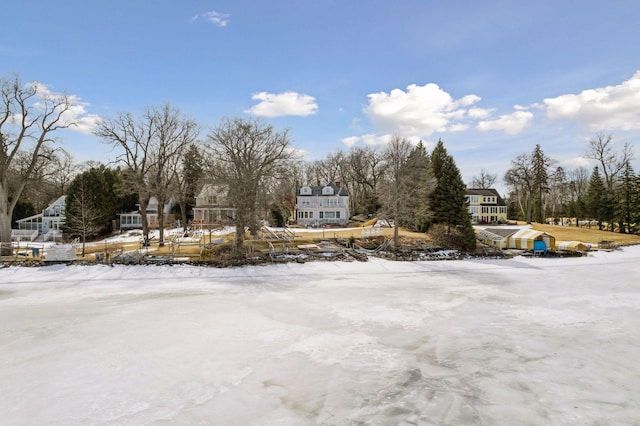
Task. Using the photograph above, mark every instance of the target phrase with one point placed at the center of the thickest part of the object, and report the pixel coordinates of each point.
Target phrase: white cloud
(281, 104)
(480, 113)
(511, 124)
(368, 139)
(610, 107)
(351, 141)
(421, 110)
(76, 117)
(213, 17)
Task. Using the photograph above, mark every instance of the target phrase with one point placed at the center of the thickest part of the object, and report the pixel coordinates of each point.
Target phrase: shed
(496, 237)
(525, 239)
(517, 238)
(572, 246)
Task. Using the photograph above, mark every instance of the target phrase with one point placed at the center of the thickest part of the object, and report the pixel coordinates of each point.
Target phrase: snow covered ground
(521, 341)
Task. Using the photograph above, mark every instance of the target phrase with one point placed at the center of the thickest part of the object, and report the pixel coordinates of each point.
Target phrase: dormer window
(305, 190)
(327, 190)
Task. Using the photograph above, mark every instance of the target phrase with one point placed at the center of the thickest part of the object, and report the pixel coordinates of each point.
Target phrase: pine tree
(82, 216)
(448, 202)
(104, 185)
(627, 194)
(599, 204)
(540, 163)
(419, 185)
(186, 180)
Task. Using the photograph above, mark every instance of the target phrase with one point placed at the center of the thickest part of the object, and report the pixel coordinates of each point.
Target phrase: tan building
(486, 206)
(212, 206)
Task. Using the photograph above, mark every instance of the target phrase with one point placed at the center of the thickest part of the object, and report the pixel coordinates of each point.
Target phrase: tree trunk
(239, 249)
(143, 216)
(5, 232)
(161, 222)
(183, 214)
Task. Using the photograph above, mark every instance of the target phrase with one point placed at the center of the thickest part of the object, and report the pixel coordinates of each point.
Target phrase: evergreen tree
(104, 195)
(419, 183)
(448, 202)
(540, 164)
(627, 209)
(83, 217)
(599, 204)
(187, 179)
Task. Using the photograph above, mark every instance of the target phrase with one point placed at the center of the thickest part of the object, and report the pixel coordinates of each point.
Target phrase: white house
(133, 220)
(49, 223)
(212, 206)
(322, 205)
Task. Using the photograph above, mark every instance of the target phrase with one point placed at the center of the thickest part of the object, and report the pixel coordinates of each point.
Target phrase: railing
(24, 234)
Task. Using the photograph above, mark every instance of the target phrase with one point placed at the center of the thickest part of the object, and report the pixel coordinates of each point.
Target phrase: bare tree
(63, 169)
(29, 115)
(484, 180)
(152, 146)
(364, 169)
(174, 133)
(134, 136)
(520, 178)
(611, 162)
(244, 154)
(577, 187)
(396, 194)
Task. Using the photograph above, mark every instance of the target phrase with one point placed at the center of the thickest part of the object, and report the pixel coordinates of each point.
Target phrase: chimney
(338, 184)
(318, 181)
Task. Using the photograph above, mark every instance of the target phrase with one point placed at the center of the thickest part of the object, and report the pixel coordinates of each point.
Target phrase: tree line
(609, 194)
(163, 153)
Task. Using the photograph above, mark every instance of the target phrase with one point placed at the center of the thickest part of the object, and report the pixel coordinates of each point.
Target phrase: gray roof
(317, 190)
(502, 232)
(488, 192)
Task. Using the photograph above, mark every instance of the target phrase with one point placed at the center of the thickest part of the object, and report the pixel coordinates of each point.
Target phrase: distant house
(133, 220)
(49, 223)
(486, 206)
(212, 206)
(322, 205)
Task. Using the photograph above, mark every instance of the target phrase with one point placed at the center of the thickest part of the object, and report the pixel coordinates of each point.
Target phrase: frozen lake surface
(521, 341)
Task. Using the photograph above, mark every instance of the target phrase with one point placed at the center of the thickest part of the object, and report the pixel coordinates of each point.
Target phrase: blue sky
(489, 78)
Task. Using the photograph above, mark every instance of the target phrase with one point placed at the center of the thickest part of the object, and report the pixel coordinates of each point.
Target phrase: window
(305, 190)
(327, 190)
(321, 215)
(329, 215)
(337, 215)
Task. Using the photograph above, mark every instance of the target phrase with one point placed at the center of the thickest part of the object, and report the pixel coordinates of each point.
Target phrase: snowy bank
(524, 340)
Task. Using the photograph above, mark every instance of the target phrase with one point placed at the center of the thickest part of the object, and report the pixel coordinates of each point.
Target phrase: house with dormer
(486, 206)
(322, 205)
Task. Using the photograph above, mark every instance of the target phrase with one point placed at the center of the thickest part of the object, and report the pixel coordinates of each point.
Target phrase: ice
(521, 341)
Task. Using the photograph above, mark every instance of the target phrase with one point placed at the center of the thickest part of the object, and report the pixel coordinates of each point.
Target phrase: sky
(491, 79)
(552, 341)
